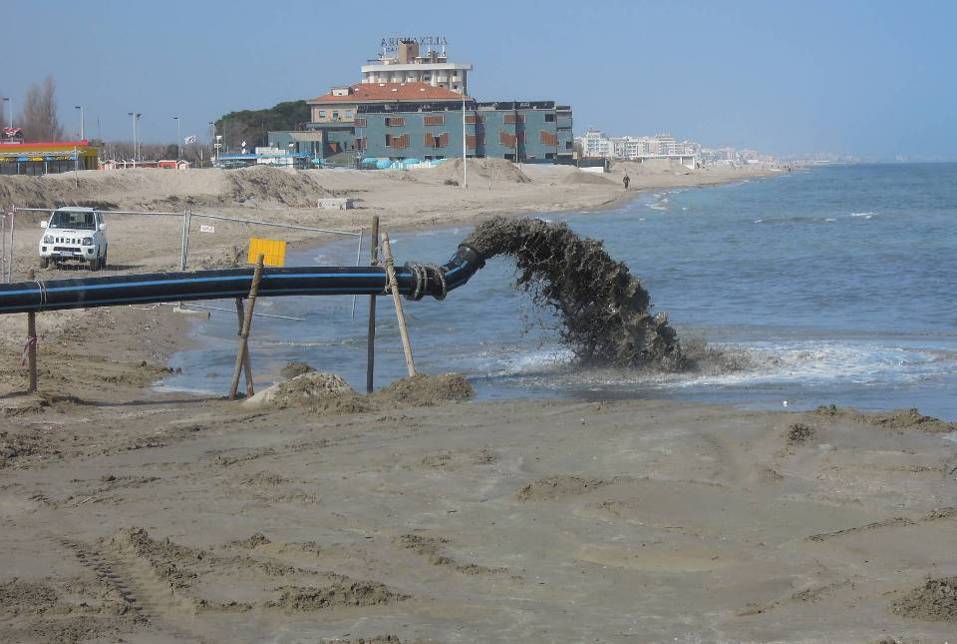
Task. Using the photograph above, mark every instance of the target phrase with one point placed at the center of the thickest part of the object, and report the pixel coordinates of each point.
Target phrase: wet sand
(130, 514)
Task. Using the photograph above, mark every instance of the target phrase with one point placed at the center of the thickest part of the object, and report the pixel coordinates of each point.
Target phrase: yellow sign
(274, 251)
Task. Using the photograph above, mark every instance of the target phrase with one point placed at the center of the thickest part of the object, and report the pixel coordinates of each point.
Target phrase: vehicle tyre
(94, 264)
(103, 260)
(44, 262)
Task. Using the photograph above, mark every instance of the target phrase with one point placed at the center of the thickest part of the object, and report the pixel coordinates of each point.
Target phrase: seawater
(838, 283)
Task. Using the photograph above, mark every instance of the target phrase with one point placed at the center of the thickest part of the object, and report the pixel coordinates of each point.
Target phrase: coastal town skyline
(738, 74)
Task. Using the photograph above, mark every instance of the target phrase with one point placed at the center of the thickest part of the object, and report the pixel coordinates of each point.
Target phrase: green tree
(252, 126)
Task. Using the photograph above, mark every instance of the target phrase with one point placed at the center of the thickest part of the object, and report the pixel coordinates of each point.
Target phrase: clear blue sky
(873, 78)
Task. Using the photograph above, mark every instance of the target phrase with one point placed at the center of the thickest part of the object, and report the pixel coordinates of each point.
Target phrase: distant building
(402, 60)
(595, 144)
(409, 107)
(46, 157)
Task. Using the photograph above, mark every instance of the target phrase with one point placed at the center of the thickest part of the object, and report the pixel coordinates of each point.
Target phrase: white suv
(74, 233)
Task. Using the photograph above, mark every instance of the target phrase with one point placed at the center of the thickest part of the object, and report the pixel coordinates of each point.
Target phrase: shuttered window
(548, 138)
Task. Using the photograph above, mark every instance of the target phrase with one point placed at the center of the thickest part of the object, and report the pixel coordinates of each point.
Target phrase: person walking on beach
(626, 180)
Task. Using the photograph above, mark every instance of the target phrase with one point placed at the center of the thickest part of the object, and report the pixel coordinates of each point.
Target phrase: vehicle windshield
(73, 219)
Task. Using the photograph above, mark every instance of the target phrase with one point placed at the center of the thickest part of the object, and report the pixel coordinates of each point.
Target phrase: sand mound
(322, 391)
(896, 419)
(50, 191)
(325, 393)
(587, 178)
(295, 368)
(558, 486)
(298, 599)
(263, 184)
(423, 391)
(166, 189)
(489, 169)
(936, 600)
(605, 311)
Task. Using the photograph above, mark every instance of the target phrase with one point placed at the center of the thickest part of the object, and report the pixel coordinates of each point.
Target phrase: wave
(736, 365)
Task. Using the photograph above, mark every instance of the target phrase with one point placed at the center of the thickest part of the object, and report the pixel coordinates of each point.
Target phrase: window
(548, 138)
(335, 116)
(512, 119)
(360, 123)
(394, 121)
(322, 114)
(74, 220)
(397, 141)
(348, 114)
(507, 140)
(361, 144)
(473, 119)
(436, 141)
(549, 118)
(470, 141)
(433, 120)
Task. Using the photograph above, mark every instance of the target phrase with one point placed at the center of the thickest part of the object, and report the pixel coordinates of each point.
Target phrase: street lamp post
(465, 158)
(133, 119)
(212, 139)
(135, 116)
(82, 133)
(179, 139)
(82, 129)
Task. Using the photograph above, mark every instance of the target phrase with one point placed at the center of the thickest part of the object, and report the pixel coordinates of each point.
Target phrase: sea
(835, 284)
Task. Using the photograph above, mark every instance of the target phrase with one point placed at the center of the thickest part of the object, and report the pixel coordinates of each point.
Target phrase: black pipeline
(415, 282)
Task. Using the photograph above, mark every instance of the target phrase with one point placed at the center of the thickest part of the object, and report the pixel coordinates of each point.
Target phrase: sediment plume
(605, 312)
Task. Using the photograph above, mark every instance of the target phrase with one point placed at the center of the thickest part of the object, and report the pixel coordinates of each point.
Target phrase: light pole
(179, 140)
(135, 116)
(80, 107)
(465, 160)
(212, 140)
(7, 99)
(133, 119)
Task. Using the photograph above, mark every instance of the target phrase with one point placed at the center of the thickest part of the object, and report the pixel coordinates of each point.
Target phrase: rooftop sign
(391, 44)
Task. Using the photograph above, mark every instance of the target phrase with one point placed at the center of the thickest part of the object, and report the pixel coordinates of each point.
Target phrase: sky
(855, 77)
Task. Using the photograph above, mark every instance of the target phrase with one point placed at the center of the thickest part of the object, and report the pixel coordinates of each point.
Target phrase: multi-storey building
(419, 116)
(401, 61)
(595, 144)
(416, 121)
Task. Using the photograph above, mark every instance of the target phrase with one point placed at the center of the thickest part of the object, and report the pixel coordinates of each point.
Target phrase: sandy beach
(402, 200)
(417, 515)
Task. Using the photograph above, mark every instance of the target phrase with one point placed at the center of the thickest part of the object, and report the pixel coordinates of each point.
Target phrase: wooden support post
(247, 367)
(370, 362)
(399, 313)
(32, 344)
(241, 354)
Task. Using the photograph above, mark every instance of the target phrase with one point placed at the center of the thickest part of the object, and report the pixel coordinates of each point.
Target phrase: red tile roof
(388, 92)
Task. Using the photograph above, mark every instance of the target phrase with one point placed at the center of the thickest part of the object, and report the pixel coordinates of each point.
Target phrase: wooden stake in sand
(32, 344)
(370, 363)
(242, 353)
(399, 313)
(247, 367)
